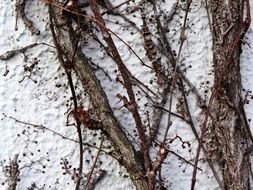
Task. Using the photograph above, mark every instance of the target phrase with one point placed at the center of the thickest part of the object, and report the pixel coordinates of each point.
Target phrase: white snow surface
(47, 102)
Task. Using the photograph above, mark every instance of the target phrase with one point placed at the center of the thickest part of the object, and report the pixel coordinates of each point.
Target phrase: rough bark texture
(228, 119)
(66, 38)
(13, 173)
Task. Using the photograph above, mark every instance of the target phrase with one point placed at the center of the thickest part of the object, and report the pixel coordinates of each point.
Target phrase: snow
(47, 102)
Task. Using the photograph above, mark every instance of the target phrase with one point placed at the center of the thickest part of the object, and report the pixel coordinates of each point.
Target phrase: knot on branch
(85, 118)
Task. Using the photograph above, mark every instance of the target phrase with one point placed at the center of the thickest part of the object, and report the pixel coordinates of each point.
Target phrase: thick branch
(66, 38)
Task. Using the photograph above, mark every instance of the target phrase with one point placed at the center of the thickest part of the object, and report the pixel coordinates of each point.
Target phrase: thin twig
(9, 54)
(172, 113)
(182, 158)
(133, 78)
(208, 16)
(68, 66)
(174, 75)
(103, 111)
(42, 127)
(193, 128)
(86, 187)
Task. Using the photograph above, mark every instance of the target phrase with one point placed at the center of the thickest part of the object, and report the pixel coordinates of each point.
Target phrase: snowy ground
(44, 99)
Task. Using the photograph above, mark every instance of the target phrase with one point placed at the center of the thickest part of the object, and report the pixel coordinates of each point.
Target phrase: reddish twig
(174, 75)
(101, 25)
(179, 75)
(128, 85)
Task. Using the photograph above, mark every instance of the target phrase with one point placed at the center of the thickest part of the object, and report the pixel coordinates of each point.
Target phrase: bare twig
(67, 64)
(99, 175)
(133, 78)
(9, 54)
(86, 187)
(163, 83)
(110, 125)
(42, 127)
(182, 158)
(175, 75)
(177, 72)
(172, 113)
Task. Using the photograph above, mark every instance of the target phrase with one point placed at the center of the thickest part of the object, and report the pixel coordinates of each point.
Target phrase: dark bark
(229, 124)
(13, 173)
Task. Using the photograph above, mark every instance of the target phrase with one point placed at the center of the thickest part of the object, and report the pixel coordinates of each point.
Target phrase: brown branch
(181, 77)
(128, 85)
(133, 78)
(161, 156)
(151, 52)
(193, 128)
(111, 126)
(161, 32)
(177, 72)
(162, 78)
(67, 65)
(178, 75)
(99, 175)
